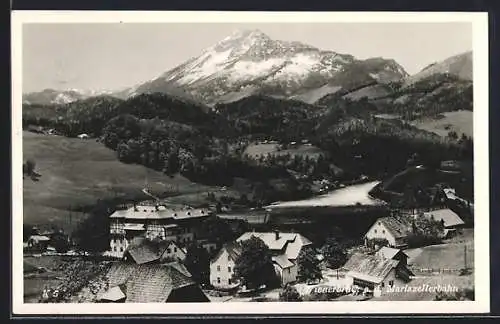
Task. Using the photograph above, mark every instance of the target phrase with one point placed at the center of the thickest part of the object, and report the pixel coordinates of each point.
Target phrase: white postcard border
(479, 23)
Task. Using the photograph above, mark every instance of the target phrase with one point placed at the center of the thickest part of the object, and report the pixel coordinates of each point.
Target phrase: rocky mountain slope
(249, 63)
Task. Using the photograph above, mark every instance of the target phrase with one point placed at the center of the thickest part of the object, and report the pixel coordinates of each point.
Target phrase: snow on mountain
(250, 62)
(52, 96)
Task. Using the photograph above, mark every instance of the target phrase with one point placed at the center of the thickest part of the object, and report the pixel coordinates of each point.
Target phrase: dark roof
(369, 267)
(145, 251)
(232, 248)
(397, 227)
(147, 283)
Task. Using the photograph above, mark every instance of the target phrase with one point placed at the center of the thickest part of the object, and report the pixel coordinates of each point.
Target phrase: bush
(290, 294)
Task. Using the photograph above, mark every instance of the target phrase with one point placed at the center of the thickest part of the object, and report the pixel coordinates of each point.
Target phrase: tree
(290, 294)
(28, 230)
(308, 266)
(218, 229)
(60, 242)
(254, 266)
(198, 263)
(92, 234)
(334, 252)
(29, 167)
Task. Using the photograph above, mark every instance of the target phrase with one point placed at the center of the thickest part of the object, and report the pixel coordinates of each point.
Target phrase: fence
(438, 271)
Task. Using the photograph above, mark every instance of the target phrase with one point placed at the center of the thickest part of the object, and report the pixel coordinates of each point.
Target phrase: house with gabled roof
(285, 249)
(222, 267)
(375, 273)
(449, 218)
(394, 230)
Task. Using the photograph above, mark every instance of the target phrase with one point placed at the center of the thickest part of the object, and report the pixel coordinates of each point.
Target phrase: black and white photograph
(273, 162)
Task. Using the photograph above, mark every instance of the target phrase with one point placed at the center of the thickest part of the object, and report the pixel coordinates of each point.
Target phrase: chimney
(277, 234)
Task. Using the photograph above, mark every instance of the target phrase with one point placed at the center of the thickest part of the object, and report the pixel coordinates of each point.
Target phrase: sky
(98, 56)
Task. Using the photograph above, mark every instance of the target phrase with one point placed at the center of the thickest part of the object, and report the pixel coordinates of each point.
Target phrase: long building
(153, 222)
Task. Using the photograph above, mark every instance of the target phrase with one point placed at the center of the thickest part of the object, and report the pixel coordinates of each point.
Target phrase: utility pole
(465, 257)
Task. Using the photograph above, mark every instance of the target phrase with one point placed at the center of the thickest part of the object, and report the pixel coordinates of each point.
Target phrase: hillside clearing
(256, 150)
(457, 121)
(77, 173)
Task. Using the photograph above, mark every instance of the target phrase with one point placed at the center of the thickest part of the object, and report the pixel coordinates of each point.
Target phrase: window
(229, 269)
(375, 231)
(169, 251)
(218, 268)
(383, 231)
(121, 248)
(175, 249)
(391, 283)
(382, 285)
(218, 280)
(229, 281)
(114, 248)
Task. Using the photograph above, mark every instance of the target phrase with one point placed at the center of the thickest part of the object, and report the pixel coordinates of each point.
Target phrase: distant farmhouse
(451, 221)
(153, 222)
(391, 229)
(285, 249)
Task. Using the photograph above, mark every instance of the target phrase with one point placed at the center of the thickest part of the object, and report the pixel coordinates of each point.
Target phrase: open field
(255, 150)
(76, 173)
(443, 256)
(458, 121)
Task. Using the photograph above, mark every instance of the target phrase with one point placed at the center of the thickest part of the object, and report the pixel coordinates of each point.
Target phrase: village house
(149, 283)
(394, 230)
(38, 242)
(375, 273)
(153, 222)
(451, 221)
(285, 249)
(222, 267)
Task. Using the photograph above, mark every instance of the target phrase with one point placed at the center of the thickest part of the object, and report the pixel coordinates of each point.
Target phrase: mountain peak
(247, 33)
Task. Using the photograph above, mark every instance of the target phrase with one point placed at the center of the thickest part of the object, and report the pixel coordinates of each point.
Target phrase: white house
(285, 249)
(222, 267)
(375, 273)
(153, 222)
(392, 229)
